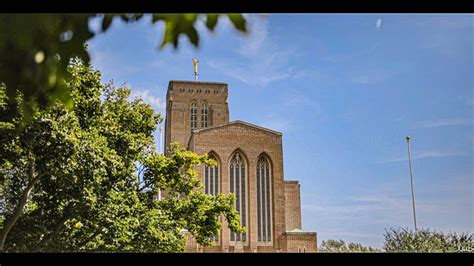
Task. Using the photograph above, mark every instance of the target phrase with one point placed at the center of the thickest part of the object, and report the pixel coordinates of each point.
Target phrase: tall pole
(411, 179)
(161, 139)
(159, 151)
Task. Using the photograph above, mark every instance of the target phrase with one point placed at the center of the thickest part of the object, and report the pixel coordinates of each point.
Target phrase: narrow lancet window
(264, 196)
(204, 115)
(193, 116)
(211, 181)
(238, 184)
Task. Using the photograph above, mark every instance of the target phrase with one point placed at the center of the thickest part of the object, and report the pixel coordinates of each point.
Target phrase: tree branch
(10, 222)
(83, 243)
(57, 228)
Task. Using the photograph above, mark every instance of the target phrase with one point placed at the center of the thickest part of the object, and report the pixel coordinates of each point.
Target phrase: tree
(35, 49)
(425, 240)
(84, 179)
(340, 246)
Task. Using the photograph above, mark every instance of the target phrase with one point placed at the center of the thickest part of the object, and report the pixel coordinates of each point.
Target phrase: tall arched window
(204, 112)
(211, 182)
(238, 183)
(193, 116)
(264, 200)
(211, 178)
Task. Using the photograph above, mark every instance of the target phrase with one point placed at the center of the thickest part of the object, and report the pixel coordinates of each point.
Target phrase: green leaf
(211, 21)
(106, 22)
(239, 21)
(193, 36)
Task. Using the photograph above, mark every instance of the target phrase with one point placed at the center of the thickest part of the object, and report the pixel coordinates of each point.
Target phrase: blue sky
(344, 90)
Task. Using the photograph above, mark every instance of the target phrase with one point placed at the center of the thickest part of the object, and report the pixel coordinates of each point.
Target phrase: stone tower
(188, 101)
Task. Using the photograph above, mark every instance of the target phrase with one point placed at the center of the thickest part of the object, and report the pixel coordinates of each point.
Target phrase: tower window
(204, 112)
(193, 116)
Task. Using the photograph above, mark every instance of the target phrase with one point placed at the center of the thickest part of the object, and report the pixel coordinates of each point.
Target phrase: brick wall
(299, 242)
(292, 205)
(180, 96)
(251, 142)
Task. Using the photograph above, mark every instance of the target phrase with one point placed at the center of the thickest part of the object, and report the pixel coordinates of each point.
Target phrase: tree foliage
(341, 246)
(425, 240)
(35, 49)
(84, 179)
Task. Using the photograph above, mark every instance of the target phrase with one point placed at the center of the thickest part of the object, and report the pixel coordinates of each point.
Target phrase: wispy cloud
(444, 122)
(276, 122)
(440, 33)
(343, 57)
(110, 65)
(263, 61)
(156, 103)
(445, 22)
(425, 155)
(364, 216)
(302, 102)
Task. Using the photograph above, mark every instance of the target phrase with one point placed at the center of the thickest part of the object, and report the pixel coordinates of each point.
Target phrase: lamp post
(411, 179)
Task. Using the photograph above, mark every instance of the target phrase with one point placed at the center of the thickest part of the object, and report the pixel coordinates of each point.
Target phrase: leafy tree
(340, 246)
(425, 240)
(84, 179)
(35, 49)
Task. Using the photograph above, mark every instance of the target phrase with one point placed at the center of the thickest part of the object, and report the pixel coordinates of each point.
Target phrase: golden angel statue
(195, 63)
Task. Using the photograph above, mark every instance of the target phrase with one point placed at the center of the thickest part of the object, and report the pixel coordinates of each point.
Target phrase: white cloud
(442, 33)
(378, 23)
(445, 22)
(425, 155)
(444, 122)
(364, 216)
(156, 103)
(277, 123)
(339, 58)
(110, 66)
(262, 61)
(298, 100)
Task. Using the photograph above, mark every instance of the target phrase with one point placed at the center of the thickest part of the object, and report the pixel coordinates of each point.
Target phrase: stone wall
(251, 141)
(299, 242)
(180, 96)
(292, 205)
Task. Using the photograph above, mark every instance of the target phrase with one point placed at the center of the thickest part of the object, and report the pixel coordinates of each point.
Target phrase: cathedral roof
(299, 231)
(198, 82)
(238, 122)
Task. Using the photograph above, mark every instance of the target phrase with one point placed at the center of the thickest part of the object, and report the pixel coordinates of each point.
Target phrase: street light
(411, 179)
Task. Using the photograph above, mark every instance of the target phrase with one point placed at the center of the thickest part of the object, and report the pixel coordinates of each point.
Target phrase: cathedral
(250, 165)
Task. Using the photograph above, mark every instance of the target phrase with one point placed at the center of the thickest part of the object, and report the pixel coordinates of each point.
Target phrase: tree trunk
(57, 228)
(10, 222)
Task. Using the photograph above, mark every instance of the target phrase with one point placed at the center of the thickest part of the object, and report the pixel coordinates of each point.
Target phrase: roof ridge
(235, 122)
(198, 82)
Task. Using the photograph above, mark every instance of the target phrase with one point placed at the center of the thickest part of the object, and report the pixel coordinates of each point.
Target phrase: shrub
(340, 246)
(425, 240)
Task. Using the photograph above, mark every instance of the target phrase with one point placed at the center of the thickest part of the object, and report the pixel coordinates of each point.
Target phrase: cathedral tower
(193, 105)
